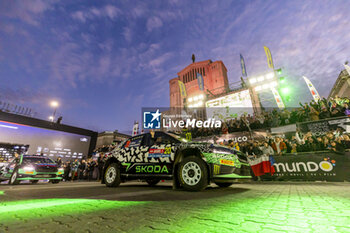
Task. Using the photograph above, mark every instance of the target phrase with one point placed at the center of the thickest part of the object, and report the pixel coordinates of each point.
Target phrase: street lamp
(51, 118)
(54, 104)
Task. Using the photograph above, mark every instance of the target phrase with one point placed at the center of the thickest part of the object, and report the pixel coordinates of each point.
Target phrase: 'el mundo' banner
(321, 166)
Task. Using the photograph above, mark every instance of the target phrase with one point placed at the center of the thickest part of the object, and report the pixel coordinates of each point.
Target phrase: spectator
(267, 149)
(59, 162)
(279, 146)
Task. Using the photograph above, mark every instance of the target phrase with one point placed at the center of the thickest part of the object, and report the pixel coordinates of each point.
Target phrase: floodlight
(270, 75)
(252, 80)
(261, 78)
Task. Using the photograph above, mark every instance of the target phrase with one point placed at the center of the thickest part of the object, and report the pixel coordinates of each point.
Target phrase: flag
(200, 81)
(312, 89)
(244, 71)
(262, 165)
(269, 57)
(278, 98)
(182, 89)
(347, 68)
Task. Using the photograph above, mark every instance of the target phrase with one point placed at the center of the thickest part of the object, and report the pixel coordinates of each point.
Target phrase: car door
(161, 149)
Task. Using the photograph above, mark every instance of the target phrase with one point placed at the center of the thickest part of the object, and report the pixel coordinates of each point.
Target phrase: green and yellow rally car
(168, 156)
(33, 168)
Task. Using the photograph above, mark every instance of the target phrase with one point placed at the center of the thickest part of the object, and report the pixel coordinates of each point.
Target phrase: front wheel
(224, 185)
(153, 182)
(55, 181)
(112, 175)
(193, 174)
(13, 180)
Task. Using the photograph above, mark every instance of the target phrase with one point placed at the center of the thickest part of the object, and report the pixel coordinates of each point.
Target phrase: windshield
(178, 137)
(37, 160)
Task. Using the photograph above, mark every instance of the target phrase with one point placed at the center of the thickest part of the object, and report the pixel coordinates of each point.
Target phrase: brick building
(214, 77)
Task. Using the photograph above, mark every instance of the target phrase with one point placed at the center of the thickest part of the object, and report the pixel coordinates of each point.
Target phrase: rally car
(33, 168)
(168, 156)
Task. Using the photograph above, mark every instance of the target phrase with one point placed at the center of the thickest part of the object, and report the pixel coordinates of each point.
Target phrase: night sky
(105, 60)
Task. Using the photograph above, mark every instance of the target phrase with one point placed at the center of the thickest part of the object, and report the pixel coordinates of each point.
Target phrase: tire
(153, 182)
(112, 175)
(13, 180)
(193, 174)
(55, 181)
(224, 185)
(34, 181)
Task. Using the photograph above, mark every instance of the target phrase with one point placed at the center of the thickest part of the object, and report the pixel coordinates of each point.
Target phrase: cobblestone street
(135, 207)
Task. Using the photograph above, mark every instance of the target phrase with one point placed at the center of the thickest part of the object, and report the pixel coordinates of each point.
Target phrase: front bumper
(220, 171)
(33, 175)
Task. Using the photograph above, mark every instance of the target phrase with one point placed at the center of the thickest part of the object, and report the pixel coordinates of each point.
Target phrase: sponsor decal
(159, 153)
(227, 162)
(127, 144)
(152, 169)
(216, 169)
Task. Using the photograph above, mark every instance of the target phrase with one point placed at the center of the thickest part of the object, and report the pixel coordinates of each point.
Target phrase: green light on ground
(31, 209)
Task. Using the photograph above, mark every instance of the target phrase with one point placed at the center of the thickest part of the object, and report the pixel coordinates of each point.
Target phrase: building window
(203, 71)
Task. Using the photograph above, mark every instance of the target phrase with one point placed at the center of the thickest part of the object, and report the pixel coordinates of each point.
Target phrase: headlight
(28, 169)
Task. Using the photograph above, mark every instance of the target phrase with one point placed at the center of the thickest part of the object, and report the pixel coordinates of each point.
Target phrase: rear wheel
(13, 180)
(34, 181)
(153, 182)
(193, 174)
(55, 181)
(112, 175)
(224, 185)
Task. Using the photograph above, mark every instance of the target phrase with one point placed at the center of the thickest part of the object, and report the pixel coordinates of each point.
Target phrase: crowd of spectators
(83, 169)
(335, 141)
(313, 111)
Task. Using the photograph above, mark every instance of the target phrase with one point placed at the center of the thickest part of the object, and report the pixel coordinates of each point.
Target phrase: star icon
(155, 115)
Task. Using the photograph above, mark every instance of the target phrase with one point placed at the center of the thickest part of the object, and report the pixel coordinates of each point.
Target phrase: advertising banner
(200, 81)
(269, 57)
(324, 166)
(182, 89)
(284, 129)
(235, 137)
(244, 71)
(312, 89)
(323, 126)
